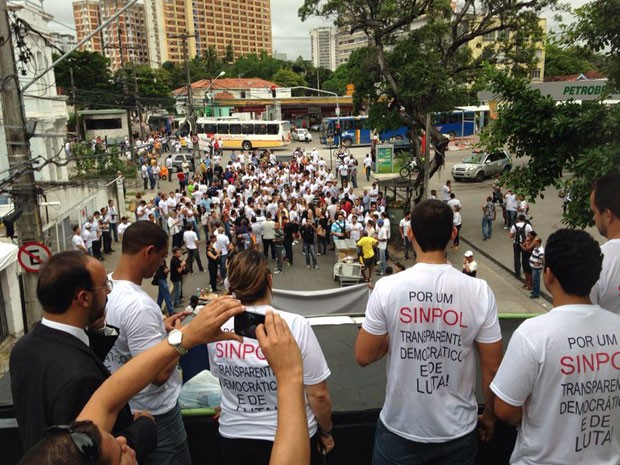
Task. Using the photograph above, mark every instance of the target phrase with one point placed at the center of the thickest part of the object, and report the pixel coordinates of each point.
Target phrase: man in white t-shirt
(191, 241)
(446, 190)
(431, 320)
(404, 226)
(382, 237)
(519, 232)
(512, 205)
(605, 204)
(141, 326)
(558, 382)
(77, 241)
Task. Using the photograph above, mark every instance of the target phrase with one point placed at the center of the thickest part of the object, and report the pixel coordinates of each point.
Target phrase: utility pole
(191, 112)
(125, 90)
(75, 107)
(24, 191)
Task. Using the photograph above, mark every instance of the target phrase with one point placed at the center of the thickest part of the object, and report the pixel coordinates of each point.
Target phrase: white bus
(246, 135)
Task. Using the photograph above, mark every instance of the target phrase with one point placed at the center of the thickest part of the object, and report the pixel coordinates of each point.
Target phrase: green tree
(422, 57)
(229, 54)
(256, 66)
(288, 78)
(564, 60)
(598, 25)
(94, 86)
(567, 146)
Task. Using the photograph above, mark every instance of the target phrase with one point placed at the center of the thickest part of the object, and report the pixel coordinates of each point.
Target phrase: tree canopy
(567, 146)
(424, 55)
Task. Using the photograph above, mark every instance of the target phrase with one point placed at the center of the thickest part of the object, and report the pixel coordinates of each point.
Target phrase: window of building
(108, 123)
(535, 73)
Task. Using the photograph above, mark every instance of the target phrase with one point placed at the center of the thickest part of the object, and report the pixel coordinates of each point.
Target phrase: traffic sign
(32, 256)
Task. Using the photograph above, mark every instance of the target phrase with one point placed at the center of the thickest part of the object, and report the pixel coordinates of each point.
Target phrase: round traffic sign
(32, 255)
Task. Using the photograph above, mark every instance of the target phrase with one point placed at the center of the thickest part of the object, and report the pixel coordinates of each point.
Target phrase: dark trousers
(520, 256)
(97, 249)
(213, 266)
(106, 238)
(288, 251)
(193, 254)
(258, 452)
(177, 239)
(114, 231)
(267, 244)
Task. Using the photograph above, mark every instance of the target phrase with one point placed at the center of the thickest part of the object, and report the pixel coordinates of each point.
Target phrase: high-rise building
(323, 46)
(346, 43)
(244, 25)
(87, 19)
(123, 41)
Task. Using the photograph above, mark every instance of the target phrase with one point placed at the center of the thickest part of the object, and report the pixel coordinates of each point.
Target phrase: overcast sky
(290, 34)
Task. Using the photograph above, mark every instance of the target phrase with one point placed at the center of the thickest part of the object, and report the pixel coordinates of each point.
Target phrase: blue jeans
(172, 448)
(223, 266)
(164, 295)
(382, 261)
(536, 282)
(391, 449)
(511, 217)
(176, 292)
(309, 251)
(407, 246)
(487, 227)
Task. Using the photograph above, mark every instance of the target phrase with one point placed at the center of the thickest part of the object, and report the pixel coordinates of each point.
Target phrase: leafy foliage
(564, 60)
(94, 164)
(567, 146)
(598, 25)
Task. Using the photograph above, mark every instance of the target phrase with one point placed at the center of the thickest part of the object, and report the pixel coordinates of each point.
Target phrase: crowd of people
(434, 322)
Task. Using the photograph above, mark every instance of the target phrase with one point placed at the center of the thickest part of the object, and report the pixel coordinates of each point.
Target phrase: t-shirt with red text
(249, 388)
(433, 315)
(563, 368)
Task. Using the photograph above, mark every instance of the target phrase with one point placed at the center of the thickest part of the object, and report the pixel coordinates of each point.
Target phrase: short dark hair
(431, 223)
(575, 259)
(607, 193)
(142, 234)
(58, 448)
(60, 279)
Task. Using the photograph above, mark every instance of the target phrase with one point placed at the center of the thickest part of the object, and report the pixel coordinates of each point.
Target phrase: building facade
(87, 18)
(346, 43)
(243, 25)
(323, 46)
(64, 42)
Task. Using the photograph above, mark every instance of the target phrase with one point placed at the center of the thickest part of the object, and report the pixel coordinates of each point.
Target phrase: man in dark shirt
(177, 267)
(55, 368)
(290, 229)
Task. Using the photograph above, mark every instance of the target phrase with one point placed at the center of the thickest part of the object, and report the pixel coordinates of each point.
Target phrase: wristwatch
(175, 339)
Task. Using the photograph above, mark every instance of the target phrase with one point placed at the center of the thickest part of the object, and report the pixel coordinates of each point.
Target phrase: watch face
(175, 337)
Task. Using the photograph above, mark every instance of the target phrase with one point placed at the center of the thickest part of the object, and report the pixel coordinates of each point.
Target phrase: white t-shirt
(190, 238)
(78, 242)
(382, 236)
(221, 244)
(249, 388)
(606, 291)
(141, 326)
(562, 368)
(405, 226)
(445, 193)
(511, 202)
(355, 230)
(454, 203)
(433, 315)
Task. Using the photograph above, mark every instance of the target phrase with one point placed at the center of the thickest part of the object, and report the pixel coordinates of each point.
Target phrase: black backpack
(520, 234)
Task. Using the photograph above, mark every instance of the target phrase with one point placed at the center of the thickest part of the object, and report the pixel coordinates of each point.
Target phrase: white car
(302, 135)
(480, 165)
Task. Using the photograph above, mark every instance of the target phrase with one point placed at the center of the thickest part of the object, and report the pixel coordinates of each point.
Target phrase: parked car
(315, 127)
(177, 162)
(480, 165)
(301, 134)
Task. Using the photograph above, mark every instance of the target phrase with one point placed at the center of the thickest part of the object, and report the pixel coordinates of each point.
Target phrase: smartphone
(246, 324)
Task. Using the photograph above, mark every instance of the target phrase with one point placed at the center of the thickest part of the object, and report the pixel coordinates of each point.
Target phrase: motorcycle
(409, 168)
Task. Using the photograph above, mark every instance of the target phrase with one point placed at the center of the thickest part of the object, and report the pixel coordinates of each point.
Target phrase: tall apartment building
(346, 43)
(125, 38)
(87, 19)
(323, 46)
(244, 24)
(123, 41)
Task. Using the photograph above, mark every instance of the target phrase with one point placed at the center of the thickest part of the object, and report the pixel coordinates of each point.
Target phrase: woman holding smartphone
(249, 396)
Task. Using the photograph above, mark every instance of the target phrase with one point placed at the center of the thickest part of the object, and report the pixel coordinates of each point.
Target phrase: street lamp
(222, 73)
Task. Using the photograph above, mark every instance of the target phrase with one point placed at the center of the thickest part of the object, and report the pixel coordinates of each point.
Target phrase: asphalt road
(494, 256)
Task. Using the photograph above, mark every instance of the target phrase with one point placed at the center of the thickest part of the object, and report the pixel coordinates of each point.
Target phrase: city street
(495, 256)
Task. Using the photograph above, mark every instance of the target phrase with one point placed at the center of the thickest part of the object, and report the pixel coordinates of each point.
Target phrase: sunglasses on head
(83, 441)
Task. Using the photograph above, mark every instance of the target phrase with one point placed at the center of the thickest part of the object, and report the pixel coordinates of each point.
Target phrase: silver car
(480, 165)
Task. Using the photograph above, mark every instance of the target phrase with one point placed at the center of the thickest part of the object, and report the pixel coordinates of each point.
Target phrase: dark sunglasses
(83, 441)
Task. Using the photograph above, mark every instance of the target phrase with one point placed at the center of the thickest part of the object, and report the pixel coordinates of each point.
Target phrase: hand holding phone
(246, 324)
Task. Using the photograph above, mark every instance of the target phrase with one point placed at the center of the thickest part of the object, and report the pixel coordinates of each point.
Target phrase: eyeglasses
(83, 441)
(108, 286)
